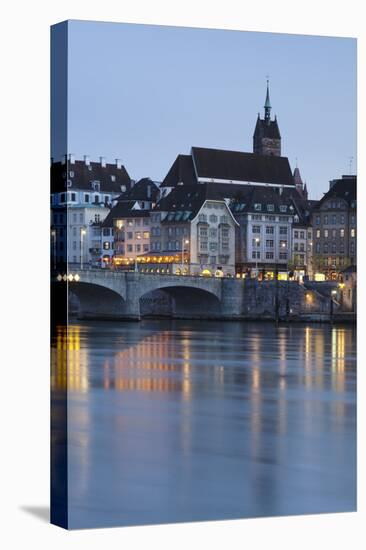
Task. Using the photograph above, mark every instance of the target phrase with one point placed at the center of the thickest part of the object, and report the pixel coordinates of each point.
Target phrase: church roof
(238, 166)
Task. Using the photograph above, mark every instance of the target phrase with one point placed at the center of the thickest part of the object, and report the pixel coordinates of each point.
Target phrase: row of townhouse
(216, 211)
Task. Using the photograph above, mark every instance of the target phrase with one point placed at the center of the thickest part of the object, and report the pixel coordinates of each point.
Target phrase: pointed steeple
(267, 106)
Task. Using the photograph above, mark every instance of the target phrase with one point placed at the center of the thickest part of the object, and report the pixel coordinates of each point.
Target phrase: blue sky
(147, 93)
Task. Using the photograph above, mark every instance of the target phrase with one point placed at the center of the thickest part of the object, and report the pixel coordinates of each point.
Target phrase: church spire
(267, 106)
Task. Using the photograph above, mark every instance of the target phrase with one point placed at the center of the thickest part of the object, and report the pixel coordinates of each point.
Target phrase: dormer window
(71, 174)
(113, 178)
(270, 207)
(69, 183)
(257, 206)
(96, 185)
(283, 208)
(123, 188)
(296, 218)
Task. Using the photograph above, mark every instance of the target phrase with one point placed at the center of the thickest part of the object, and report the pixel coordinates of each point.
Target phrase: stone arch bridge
(104, 294)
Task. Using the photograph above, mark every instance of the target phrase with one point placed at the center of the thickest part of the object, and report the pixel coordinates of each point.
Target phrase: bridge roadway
(109, 294)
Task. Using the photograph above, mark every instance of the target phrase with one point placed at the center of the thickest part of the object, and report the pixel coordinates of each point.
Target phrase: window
(113, 178)
(213, 247)
(296, 234)
(353, 232)
(213, 218)
(71, 174)
(96, 185)
(334, 219)
(317, 248)
(269, 255)
(256, 243)
(269, 229)
(202, 218)
(138, 248)
(341, 233)
(283, 230)
(74, 231)
(212, 260)
(325, 248)
(334, 247)
(302, 234)
(283, 255)
(146, 234)
(81, 217)
(352, 247)
(342, 218)
(129, 235)
(256, 229)
(225, 232)
(106, 245)
(326, 220)
(224, 219)
(283, 208)
(97, 218)
(270, 207)
(334, 233)
(129, 248)
(74, 245)
(353, 220)
(256, 254)
(318, 233)
(269, 243)
(326, 233)
(86, 197)
(146, 247)
(296, 247)
(74, 218)
(73, 197)
(257, 206)
(63, 197)
(106, 231)
(203, 245)
(317, 220)
(341, 248)
(213, 233)
(203, 232)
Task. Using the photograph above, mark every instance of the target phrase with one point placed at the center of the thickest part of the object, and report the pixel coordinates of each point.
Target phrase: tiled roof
(81, 175)
(123, 210)
(238, 166)
(344, 188)
(181, 171)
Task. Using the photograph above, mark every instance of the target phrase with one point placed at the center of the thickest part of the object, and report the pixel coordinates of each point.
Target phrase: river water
(172, 421)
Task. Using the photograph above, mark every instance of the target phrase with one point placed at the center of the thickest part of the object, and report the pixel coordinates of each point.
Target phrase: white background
(24, 187)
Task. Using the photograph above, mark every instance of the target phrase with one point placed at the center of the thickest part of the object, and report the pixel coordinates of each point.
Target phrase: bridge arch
(180, 302)
(94, 301)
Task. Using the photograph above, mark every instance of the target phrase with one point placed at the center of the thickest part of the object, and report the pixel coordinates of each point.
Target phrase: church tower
(267, 138)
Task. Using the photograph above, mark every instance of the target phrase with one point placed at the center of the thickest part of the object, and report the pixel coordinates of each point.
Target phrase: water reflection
(218, 420)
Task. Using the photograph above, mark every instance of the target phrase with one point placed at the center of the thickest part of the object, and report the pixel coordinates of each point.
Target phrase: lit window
(353, 232)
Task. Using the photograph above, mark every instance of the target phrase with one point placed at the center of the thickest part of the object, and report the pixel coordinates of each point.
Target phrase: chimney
(87, 160)
(102, 161)
(118, 163)
(71, 158)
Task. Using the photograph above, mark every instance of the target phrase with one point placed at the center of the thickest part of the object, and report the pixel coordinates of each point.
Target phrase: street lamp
(53, 233)
(82, 234)
(184, 241)
(256, 257)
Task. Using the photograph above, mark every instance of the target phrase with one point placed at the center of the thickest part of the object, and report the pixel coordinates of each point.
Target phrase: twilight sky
(147, 93)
